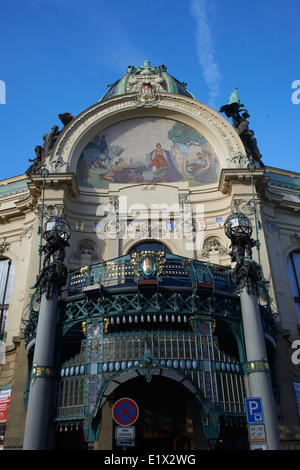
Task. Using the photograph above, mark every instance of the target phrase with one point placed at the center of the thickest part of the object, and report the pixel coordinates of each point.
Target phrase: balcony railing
(152, 267)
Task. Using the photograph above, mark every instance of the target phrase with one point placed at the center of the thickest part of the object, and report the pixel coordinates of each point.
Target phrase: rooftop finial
(234, 97)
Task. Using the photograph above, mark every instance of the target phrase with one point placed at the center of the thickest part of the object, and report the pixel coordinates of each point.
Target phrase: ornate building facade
(145, 180)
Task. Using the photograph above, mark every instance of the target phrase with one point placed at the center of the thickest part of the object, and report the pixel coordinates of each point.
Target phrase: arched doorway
(169, 415)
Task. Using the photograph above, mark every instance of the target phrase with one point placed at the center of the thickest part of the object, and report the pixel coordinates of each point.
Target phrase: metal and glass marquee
(149, 314)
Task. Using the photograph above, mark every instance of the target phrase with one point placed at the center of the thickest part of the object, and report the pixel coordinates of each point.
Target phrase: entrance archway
(169, 415)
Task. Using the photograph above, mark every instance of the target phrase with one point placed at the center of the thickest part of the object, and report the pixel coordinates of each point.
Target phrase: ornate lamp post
(246, 275)
(52, 278)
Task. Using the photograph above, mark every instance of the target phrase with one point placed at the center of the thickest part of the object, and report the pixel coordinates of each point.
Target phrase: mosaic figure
(148, 150)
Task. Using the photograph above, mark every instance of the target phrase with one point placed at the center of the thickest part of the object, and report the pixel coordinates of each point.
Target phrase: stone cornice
(27, 201)
(277, 195)
(17, 204)
(230, 176)
(66, 181)
(272, 194)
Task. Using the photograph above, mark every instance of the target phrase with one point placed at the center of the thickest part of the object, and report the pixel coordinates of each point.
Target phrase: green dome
(147, 77)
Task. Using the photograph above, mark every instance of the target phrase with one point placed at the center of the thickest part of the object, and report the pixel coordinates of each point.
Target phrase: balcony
(149, 288)
(151, 270)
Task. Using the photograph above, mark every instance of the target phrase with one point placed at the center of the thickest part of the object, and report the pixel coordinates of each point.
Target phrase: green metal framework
(150, 313)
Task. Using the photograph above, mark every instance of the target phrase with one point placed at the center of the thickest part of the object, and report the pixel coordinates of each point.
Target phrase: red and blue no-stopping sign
(125, 412)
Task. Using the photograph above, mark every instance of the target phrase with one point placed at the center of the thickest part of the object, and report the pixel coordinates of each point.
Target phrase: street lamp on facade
(238, 229)
(51, 279)
(57, 233)
(247, 274)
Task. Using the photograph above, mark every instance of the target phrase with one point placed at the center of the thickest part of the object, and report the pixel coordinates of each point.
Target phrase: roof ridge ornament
(147, 74)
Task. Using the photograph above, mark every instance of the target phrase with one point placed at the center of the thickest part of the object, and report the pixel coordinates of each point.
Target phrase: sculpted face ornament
(146, 84)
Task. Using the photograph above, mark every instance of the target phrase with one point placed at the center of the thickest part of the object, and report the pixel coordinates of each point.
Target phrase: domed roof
(146, 78)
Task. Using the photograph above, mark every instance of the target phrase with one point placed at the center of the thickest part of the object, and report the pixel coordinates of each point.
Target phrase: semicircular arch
(216, 129)
(121, 377)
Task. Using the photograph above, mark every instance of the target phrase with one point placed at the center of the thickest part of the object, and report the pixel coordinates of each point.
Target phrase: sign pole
(257, 367)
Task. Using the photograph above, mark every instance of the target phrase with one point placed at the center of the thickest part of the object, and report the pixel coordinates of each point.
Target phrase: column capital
(247, 273)
(52, 278)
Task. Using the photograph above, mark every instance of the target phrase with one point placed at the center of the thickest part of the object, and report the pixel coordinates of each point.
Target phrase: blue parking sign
(254, 410)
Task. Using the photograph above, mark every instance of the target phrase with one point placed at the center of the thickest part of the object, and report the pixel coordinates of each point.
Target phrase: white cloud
(205, 49)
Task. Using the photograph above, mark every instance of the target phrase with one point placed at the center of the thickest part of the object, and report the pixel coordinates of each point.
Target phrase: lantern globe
(237, 225)
(58, 225)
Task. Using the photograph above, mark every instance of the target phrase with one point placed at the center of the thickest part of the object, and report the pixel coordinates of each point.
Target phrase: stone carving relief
(57, 164)
(238, 160)
(87, 250)
(295, 238)
(240, 205)
(147, 80)
(146, 84)
(57, 210)
(113, 205)
(184, 202)
(4, 246)
(212, 246)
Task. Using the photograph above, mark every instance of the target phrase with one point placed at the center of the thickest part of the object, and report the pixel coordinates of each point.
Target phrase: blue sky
(59, 56)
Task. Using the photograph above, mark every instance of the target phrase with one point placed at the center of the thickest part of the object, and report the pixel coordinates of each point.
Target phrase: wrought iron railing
(163, 268)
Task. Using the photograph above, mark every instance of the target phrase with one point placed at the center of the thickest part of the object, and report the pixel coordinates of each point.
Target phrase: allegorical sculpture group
(43, 151)
(233, 110)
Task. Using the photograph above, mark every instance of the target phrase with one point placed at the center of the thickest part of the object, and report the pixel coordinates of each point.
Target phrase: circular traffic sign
(125, 412)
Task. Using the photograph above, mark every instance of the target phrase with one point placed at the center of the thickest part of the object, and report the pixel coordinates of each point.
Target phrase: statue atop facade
(42, 152)
(65, 118)
(247, 137)
(49, 140)
(233, 110)
(37, 162)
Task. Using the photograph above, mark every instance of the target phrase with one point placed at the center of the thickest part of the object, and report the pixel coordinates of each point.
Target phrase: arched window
(7, 274)
(293, 267)
(150, 246)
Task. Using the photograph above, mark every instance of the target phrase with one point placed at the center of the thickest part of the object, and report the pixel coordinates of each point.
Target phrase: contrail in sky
(205, 49)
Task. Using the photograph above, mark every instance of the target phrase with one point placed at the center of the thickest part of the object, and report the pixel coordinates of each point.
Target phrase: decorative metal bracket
(52, 278)
(247, 273)
(41, 372)
(257, 366)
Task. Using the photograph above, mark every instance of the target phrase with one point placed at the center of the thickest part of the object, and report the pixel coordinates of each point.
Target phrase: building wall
(20, 215)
